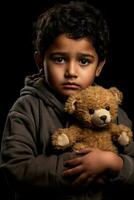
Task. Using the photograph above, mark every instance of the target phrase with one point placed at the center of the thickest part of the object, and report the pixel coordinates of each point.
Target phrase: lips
(71, 85)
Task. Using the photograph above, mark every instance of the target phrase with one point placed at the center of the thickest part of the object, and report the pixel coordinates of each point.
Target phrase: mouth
(99, 123)
(102, 125)
(71, 85)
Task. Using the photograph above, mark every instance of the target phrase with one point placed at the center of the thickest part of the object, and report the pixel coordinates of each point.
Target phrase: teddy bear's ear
(70, 104)
(117, 93)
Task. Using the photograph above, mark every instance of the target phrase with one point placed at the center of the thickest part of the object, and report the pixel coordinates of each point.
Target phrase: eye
(84, 61)
(91, 111)
(58, 59)
(107, 108)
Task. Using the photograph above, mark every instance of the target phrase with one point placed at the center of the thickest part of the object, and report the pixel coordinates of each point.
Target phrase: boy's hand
(93, 163)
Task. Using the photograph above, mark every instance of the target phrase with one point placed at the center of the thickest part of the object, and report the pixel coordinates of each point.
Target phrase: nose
(71, 70)
(103, 117)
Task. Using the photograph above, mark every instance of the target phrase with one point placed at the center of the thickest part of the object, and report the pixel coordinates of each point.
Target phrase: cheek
(89, 77)
(54, 76)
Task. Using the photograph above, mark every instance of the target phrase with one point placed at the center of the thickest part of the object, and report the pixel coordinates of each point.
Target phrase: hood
(35, 85)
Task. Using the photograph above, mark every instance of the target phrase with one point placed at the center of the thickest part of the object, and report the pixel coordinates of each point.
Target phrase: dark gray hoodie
(31, 166)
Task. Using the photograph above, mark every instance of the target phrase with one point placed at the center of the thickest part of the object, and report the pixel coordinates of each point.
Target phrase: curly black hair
(76, 20)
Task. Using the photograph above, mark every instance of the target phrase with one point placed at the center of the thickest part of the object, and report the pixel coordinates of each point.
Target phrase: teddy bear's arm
(121, 134)
(65, 137)
(126, 135)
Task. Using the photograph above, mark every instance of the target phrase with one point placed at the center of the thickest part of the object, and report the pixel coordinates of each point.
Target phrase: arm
(24, 164)
(126, 175)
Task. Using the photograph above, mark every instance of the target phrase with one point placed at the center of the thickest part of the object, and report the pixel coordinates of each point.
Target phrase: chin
(68, 93)
(64, 94)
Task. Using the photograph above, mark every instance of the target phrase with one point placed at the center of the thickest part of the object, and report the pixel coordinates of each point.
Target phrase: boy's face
(71, 65)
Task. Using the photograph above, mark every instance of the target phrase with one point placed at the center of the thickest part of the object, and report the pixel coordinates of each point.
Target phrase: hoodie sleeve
(24, 167)
(126, 175)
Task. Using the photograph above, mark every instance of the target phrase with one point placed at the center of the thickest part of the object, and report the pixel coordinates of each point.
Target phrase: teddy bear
(95, 111)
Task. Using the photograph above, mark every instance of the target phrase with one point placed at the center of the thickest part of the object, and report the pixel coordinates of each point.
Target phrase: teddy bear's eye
(91, 111)
(107, 107)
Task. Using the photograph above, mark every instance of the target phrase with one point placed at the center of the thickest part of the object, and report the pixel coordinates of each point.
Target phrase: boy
(71, 45)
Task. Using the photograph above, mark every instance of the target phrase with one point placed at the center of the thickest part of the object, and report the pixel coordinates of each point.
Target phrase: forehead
(64, 43)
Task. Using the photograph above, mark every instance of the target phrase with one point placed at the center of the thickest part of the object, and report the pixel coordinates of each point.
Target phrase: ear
(38, 60)
(100, 67)
(117, 93)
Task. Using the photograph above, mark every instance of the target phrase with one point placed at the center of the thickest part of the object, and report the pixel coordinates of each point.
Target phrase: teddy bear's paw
(62, 140)
(124, 139)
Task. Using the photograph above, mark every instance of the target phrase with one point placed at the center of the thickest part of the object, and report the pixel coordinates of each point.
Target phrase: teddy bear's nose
(103, 117)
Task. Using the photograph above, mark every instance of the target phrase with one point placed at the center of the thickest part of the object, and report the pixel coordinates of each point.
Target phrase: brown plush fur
(95, 110)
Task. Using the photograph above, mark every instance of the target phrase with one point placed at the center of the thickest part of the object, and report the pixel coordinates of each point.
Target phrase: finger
(80, 180)
(85, 151)
(73, 162)
(83, 178)
(73, 171)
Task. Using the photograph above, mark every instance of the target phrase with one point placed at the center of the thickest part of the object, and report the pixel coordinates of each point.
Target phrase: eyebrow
(86, 55)
(65, 54)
